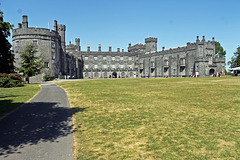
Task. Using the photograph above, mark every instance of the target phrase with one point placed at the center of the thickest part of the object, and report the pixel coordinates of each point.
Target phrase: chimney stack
(19, 25)
(99, 48)
(88, 48)
(110, 48)
(197, 39)
(55, 25)
(24, 21)
(203, 38)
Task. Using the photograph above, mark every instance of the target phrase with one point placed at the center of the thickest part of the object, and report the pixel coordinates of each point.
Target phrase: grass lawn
(174, 118)
(11, 98)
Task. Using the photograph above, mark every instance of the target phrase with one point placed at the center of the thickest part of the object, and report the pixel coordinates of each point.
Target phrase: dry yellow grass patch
(188, 118)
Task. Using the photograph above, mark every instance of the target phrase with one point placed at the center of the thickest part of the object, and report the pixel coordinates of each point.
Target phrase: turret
(24, 21)
(151, 44)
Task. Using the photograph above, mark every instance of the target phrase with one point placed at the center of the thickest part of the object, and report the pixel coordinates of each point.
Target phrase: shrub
(48, 77)
(11, 80)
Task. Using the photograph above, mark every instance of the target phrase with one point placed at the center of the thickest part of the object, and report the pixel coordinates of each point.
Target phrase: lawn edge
(15, 109)
(73, 122)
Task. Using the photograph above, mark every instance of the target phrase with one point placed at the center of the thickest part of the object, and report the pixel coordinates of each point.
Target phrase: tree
(31, 64)
(235, 60)
(6, 57)
(219, 51)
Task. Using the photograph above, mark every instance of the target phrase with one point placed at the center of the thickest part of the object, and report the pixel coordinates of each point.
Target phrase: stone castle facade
(140, 60)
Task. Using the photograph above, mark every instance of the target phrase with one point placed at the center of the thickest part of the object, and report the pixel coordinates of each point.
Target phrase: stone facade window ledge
(212, 65)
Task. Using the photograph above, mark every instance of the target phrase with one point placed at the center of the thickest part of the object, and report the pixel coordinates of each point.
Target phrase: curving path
(40, 129)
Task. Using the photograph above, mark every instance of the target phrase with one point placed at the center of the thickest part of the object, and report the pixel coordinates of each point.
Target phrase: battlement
(136, 47)
(72, 47)
(34, 32)
(61, 27)
(24, 30)
(151, 39)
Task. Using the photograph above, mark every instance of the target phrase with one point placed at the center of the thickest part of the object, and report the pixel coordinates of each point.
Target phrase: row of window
(106, 66)
(35, 43)
(182, 62)
(106, 75)
(182, 69)
(113, 58)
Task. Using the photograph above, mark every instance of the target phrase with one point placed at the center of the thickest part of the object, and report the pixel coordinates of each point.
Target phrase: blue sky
(118, 22)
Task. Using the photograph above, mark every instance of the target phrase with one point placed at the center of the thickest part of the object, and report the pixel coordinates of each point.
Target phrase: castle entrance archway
(114, 75)
(211, 71)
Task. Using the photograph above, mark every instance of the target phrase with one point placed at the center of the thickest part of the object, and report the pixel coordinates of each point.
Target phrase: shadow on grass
(8, 96)
(7, 106)
(33, 123)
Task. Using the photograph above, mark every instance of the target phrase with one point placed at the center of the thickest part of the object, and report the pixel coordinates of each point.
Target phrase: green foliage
(48, 77)
(235, 60)
(31, 64)
(11, 80)
(219, 51)
(6, 57)
(227, 73)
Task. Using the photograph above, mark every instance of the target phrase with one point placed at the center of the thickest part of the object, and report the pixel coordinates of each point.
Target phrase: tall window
(17, 43)
(53, 44)
(166, 62)
(182, 61)
(45, 64)
(35, 43)
(53, 55)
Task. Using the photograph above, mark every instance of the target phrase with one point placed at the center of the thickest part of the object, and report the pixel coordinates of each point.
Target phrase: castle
(141, 60)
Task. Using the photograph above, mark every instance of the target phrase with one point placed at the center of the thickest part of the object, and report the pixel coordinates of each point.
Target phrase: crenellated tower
(151, 44)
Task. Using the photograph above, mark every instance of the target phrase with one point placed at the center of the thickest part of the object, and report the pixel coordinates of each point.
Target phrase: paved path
(40, 129)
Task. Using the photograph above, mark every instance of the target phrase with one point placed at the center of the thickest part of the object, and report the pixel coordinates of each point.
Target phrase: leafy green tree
(219, 51)
(6, 57)
(235, 60)
(31, 64)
